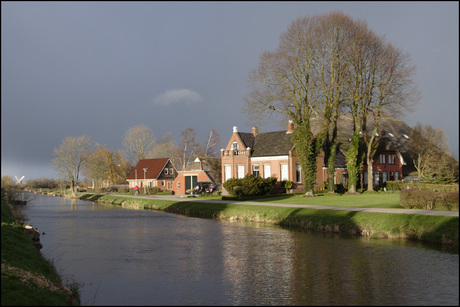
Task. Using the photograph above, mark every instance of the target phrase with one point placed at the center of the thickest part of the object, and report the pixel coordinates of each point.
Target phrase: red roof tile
(154, 168)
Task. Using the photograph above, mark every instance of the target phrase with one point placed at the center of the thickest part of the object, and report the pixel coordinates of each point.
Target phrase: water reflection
(140, 257)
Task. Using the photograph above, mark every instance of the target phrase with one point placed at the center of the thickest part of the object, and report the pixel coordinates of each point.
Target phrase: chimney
(290, 127)
(255, 131)
(235, 129)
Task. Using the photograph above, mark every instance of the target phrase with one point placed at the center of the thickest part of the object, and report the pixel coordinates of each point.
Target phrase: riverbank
(442, 230)
(28, 279)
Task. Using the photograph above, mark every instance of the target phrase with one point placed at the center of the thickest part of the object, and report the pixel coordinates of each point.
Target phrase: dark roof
(154, 168)
(395, 138)
(279, 142)
(272, 144)
(211, 166)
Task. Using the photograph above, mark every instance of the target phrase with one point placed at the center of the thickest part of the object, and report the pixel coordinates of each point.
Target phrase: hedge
(430, 200)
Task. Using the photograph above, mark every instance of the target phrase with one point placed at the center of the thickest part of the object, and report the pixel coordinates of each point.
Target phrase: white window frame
(240, 171)
(298, 172)
(267, 173)
(284, 171)
(382, 159)
(256, 168)
(391, 159)
(227, 171)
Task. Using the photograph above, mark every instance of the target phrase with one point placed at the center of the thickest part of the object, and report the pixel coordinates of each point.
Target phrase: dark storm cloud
(98, 68)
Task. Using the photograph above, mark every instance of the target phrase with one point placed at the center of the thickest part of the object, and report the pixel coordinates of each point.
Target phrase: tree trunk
(370, 175)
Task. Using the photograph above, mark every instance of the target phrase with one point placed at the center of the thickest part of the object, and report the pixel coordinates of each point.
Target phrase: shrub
(395, 185)
(421, 199)
(250, 185)
(287, 184)
(153, 191)
(447, 200)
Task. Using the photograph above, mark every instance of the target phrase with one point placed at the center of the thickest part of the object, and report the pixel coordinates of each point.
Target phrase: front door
(190, 182)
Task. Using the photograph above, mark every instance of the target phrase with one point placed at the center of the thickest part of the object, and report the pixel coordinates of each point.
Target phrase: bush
(395, 185)
(429, 200)
(250, 185)
(287, 184)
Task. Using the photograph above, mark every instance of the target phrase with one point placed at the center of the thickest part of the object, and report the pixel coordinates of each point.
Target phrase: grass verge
(28, 279)
(432, 229)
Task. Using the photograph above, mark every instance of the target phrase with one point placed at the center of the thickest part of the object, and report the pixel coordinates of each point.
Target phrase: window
(382, 159)
(396, 175)
(171, 171)
(255, 170)
(391, 159)
(385, 176)
(284, 171)
(163, 183)
(267, 171)
(240, 170)
(178, 185)
(392, 176)
(169, 183)
(365, 178)
(235, 147)
(298, 173)
(166, 171)
(227, 171)
(376, 178)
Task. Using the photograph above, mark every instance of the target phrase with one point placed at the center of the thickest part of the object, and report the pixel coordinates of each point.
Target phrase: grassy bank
(28, 279)
(432, 229)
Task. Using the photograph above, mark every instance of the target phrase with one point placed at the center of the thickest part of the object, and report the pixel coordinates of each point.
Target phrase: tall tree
(321, 62)
(138, 142)
(429, 148)
(165, 147)
(69, 159)
(212, 145)
(188, 149)
(284, 83)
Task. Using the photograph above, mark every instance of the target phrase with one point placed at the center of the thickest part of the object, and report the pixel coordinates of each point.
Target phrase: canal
(140, 257)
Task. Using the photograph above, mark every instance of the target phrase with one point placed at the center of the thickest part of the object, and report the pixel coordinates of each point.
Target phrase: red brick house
(150, 173)
(201, 169)
(272, 154)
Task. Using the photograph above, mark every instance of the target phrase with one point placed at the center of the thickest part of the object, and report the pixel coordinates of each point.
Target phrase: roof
(274, 143)
(278, 143)
(395, 138)
(154, 168)
(211, 166)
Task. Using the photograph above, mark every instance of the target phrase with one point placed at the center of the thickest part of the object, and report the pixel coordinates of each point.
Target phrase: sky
(94, 68)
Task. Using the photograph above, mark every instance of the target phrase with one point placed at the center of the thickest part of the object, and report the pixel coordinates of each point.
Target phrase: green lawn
(366, 200)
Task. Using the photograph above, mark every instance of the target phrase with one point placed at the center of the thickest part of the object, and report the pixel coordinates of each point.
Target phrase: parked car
(201, 187)
(213, 188)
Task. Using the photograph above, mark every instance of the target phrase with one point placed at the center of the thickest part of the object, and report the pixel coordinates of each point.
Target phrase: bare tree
(138, 142)
(188, 149)
(322, 62)
(69, 159)
(95, 166)
(428, 145)
(165, 147)
(284, 84)
(213, 144)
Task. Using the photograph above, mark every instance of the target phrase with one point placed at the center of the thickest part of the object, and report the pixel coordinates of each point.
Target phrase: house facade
(151, 173)
(201, 169)
(272, 154)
